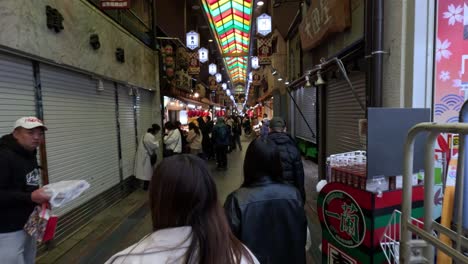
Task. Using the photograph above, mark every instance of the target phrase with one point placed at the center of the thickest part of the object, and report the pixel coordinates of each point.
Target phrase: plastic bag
(41, 224)
(65, 191)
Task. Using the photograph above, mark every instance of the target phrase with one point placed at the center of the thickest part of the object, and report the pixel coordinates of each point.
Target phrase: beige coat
(194, 139)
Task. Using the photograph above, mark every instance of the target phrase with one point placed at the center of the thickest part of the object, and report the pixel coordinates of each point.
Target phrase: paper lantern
(203, 55)
(264, 24)
(255, 64)
(193, 40)
(212, 69)
(224, 85)
(219, 77)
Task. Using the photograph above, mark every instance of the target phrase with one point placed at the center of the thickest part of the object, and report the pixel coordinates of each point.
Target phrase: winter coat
(265, 127)
(163, 246)
(19, 177)
(173, 141)
(291, 161)
(221, 134)
(194, 139)
(148, 145)
(269, 219)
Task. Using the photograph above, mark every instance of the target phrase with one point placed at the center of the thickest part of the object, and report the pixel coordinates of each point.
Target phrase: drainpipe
(374, 10)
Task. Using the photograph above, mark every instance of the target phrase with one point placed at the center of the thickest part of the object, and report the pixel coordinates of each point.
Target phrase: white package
(63, 192)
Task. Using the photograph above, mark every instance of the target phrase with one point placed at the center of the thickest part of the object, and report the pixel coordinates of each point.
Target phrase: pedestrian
(236, 133)
(264, 130)
(172, 140)
(221, 142)
(20, 190)
(189, 225)
(291, 160)
(266, 214)
(194, 138)
(146, 155)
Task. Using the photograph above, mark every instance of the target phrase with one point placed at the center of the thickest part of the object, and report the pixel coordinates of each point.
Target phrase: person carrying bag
(146, 157)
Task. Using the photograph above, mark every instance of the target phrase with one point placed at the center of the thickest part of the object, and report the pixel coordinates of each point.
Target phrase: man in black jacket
(291, 161)
(19, 189)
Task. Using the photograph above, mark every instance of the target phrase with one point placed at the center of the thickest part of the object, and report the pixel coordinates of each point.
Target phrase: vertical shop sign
(194, 65)
(115, 4)
(451, 60)
(264, 50)
(344, 219)
(323, 18)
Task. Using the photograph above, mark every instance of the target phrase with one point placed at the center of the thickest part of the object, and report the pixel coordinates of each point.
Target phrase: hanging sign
(264, 50)
(323, 19)
(194, 65)
(193, 40)
(256, 79)
(264, 24)
(203, 55)
(114, 4)
(212, 84)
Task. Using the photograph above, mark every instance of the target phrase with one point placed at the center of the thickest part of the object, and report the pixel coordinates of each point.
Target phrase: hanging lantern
(224, 85)
(193, 40)
(250, 76)
(264, 24)
(219, 77)
(212, 69)
(203, 55)
(232, 97)
(255, 64)
(228, 92)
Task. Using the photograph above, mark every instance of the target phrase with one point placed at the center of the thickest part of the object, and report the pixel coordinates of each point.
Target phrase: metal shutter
(127, 130)
(343, 113)
(306, 99)
(144, 102)
(17, 94)
(82, 136)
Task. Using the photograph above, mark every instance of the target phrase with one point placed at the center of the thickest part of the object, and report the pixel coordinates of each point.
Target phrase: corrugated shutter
(127, 130)
(144, 102)
(17, 95)
(343, 113)
(306, 99)
(82, 136)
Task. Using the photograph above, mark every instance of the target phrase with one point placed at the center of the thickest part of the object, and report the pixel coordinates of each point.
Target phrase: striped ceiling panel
(230, 21)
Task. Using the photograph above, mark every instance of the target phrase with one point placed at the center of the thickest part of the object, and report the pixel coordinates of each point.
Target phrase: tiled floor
(128, 221)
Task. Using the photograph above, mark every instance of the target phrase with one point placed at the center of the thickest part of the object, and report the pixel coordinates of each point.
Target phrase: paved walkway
(128, 221)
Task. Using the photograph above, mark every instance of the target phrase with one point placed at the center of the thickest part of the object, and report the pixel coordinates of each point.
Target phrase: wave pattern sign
(451, 60)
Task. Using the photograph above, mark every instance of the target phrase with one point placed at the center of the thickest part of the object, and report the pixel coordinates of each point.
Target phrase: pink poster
(451, 60)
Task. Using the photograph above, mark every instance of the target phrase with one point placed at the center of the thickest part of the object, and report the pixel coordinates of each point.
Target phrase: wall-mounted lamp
(94, 41)
(307, 85)
(120, 55)
(286, 82)
(320, 80)
(280, 79)
(100, 85)
(274, 71)
(196, 95)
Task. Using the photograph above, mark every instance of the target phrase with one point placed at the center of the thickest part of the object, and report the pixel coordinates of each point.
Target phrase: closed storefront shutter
(306, 99)
(343, 113)
(17, 96)
(127, 130)
(144, 102)
(82, 136)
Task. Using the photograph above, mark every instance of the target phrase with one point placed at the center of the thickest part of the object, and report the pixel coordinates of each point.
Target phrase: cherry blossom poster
(451, 60)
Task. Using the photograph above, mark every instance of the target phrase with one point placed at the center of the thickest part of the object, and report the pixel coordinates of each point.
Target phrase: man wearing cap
(291, 161)
(19, 189)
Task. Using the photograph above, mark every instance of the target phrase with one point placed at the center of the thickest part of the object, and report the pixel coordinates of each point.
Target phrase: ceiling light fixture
(280, 79)
(274, 71)
(286, 82)
(307, 85)
(320, 80)
(260, 3)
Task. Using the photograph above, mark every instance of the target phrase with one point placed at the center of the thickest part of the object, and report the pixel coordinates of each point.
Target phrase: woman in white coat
(189, 224)
(147, 147)
(172, 140)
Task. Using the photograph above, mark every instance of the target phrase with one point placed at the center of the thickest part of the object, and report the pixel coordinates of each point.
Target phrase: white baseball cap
(29, 122)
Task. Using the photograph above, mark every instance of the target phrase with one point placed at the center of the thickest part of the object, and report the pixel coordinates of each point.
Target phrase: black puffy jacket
(19, 176)
(269, 219)
(291, 161)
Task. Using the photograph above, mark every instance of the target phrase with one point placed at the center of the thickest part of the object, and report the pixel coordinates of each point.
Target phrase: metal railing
(426, 234)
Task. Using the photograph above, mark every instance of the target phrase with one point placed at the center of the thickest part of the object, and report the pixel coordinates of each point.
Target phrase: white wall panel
(82, 136)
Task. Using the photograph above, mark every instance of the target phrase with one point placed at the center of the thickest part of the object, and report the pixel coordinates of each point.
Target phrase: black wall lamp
(54, 19)
(120, 55)
(94, 41)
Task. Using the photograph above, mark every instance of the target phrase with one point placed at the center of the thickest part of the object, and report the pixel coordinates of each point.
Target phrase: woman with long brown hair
(189, 224)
